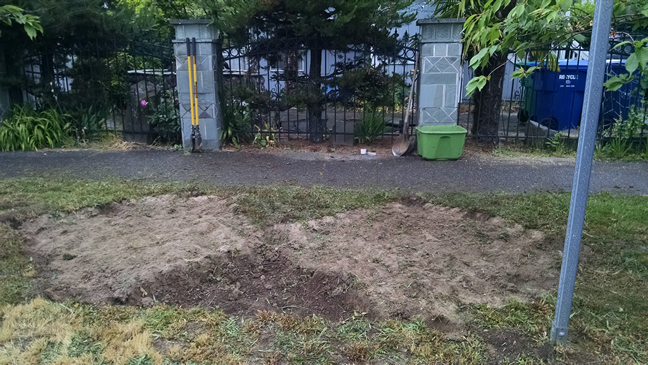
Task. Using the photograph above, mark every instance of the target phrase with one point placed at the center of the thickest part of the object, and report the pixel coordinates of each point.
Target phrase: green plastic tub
(440, 142)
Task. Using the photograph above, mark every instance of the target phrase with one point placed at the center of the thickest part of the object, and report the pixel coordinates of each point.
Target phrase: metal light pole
(586, 143)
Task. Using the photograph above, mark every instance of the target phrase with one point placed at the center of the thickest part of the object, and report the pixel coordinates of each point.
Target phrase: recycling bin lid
(574, 64)
(563, 64)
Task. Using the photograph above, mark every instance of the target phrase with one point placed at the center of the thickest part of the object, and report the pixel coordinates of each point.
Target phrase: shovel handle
(411, 95)
(191, 89)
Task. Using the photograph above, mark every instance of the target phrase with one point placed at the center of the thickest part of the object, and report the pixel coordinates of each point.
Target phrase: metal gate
(305, 88)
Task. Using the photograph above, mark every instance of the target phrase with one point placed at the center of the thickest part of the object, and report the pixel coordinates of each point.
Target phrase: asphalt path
(474, 173)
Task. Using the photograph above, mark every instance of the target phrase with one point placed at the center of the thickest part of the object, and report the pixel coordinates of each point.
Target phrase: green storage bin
(529, 106)
(440, 142)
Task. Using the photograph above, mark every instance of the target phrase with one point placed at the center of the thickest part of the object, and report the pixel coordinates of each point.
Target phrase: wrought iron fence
(116, 86)
(549, 102)
(306, 88)
(301, 88)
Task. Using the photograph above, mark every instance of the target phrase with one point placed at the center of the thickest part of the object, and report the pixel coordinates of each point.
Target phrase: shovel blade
(402, 147)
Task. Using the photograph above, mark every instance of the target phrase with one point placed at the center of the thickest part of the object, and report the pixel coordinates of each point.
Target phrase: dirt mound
(427, 260)
(186, 251)
(244, 284)
(397, 261)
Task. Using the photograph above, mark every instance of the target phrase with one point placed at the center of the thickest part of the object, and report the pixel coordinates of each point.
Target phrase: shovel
(195, 86)
(196, 139)
(404, 145)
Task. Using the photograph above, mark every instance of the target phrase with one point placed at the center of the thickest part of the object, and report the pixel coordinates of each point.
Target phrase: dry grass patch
(42, 331)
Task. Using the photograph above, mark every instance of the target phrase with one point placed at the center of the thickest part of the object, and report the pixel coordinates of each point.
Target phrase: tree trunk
(316, 126)
(291, 73)
(488, 102)
(48, 77)
(11, 63)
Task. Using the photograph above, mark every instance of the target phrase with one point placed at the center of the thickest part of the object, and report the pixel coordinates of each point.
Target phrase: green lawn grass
(609, 321)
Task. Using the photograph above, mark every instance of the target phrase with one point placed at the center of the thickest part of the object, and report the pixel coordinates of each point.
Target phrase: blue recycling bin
(559, 95)
(555, 99)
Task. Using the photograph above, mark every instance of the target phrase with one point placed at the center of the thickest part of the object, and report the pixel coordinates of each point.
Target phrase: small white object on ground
(371, 153)
(363, 151)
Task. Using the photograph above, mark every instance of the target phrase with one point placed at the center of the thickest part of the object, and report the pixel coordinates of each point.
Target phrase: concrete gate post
(210, 115)
(440, 75)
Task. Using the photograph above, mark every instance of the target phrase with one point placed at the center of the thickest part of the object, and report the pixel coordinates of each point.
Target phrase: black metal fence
(305, 88)
(549, 103)
(123, 87)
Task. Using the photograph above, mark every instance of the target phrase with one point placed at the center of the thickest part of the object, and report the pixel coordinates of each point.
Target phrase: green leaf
(642, 56)
(580, 38)
(477, 83)
(12, 9)
(477, 59)
(493, 35)
(632, 63)
(31, 31)
(518, 10)
(613, 83)
(519, 73)
(565, 5)
(552, 62)
(520, 53)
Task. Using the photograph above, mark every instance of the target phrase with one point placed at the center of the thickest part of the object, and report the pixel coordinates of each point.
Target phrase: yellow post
(196, 89)
(191, 94)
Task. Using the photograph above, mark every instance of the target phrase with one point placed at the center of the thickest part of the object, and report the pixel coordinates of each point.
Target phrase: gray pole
(586, 142)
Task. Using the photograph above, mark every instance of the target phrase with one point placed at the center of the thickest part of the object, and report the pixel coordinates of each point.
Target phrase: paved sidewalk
(476, 172)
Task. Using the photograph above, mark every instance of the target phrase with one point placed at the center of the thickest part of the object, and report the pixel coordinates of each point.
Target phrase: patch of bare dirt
(426, 260)
(398, 261)
(185, 251)
(509, 344)
(305, 150)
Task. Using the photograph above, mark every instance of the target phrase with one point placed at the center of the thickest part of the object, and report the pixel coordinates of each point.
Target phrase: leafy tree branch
(31, 23)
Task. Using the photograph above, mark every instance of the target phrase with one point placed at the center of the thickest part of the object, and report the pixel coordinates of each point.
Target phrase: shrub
(627, 129)
(557, 144)
(623, 139)
(367, 86)
(165, 121)
(28, 129)
(237, 126)
(266, 136)
(372, 126)
(87, 120)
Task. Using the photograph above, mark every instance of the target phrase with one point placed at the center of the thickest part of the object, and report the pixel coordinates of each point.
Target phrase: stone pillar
(211, 119)
(440, 77)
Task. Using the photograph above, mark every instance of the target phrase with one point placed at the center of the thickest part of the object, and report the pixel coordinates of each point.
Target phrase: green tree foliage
(155, 14)
(343, 21)
(496, 28)
(30, 23)
(68, 22)
(368, 86)
(636, 65)
(327, 24)
(78, 35)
